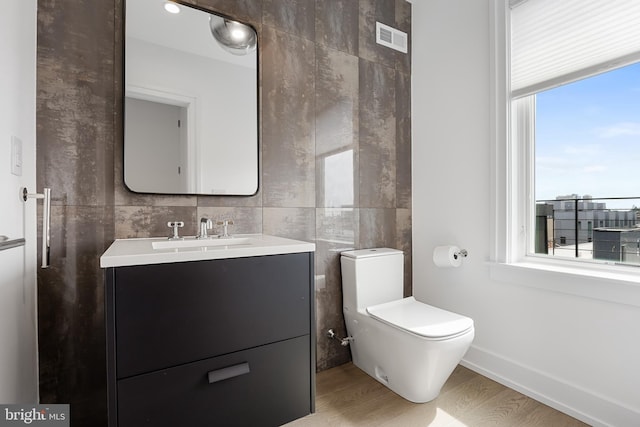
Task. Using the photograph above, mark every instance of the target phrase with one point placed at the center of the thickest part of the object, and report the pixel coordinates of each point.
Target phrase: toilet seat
(421, 319)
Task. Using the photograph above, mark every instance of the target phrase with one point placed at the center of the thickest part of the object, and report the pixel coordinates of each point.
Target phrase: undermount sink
(201, 243)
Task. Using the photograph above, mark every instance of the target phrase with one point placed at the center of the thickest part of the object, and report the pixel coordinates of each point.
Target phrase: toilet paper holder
(449, 256)
(461, 253)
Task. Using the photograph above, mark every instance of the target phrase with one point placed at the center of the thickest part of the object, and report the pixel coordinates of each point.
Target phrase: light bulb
(238, 34)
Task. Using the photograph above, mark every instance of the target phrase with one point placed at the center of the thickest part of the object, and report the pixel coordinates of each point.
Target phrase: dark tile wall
(335, 163)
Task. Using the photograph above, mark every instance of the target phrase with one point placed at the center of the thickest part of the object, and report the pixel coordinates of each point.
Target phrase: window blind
(554, 42)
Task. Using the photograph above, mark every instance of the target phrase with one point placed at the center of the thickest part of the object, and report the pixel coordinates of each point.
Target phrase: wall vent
(391, 37)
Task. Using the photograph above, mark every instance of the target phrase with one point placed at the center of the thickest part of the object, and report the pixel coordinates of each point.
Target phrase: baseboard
(585, 405)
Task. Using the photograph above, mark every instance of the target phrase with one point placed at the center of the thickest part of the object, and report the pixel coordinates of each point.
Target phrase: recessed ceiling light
(171, 7)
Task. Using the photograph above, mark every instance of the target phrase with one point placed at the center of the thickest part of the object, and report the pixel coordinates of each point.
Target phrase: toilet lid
(367, 253)
(421, 319)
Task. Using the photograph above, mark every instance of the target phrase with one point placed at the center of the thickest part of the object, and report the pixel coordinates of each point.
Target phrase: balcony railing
(605, 229)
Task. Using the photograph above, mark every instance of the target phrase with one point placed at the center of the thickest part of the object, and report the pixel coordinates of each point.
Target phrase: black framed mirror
(190, 101)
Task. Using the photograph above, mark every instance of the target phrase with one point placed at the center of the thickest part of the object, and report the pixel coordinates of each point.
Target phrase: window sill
(616, 284)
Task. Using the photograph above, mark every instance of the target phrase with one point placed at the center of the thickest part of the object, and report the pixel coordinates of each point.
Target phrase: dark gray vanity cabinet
(227, 342)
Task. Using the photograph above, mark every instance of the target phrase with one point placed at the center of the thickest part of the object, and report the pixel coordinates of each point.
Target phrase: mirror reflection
(191, 101)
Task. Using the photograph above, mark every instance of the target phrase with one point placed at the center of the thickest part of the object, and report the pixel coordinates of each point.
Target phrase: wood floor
(346, 396)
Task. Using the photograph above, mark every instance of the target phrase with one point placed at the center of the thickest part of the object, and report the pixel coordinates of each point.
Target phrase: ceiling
(187, 31)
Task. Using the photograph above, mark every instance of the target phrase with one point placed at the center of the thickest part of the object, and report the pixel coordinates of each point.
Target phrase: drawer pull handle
(229, 372)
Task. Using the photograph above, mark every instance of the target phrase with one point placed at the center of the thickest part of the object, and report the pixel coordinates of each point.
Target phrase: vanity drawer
(276, 389)
(171, 314)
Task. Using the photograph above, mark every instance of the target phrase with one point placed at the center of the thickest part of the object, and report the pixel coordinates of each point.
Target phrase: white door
(153, 130)
(18, 333)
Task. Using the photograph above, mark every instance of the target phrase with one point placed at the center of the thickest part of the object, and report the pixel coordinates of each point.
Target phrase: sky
(588, 138)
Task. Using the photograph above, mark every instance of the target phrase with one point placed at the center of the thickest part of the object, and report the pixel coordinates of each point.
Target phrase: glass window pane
(587, 157)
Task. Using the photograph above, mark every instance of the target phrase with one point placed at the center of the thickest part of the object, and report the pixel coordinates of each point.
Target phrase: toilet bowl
(408, 346)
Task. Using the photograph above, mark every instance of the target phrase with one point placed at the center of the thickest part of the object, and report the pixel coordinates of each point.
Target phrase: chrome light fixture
(234, 37)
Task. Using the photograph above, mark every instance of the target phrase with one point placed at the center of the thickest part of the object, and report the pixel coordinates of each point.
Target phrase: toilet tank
(371, 276)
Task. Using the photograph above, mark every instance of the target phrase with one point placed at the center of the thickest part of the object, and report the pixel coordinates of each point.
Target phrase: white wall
(18, 340)
(577, 354)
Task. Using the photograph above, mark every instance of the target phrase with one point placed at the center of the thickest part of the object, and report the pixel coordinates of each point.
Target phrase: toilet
(408, 346)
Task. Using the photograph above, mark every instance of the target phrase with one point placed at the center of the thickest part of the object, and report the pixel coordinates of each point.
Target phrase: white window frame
(512, 193)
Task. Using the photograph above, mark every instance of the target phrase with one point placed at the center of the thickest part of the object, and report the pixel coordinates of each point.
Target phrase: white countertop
(124, 252)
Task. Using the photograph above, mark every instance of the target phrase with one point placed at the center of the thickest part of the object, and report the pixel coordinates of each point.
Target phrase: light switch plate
(16, 156)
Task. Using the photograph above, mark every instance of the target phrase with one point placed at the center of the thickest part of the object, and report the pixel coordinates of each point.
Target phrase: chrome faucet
(205, 225)
(175, 225)
(225, 228)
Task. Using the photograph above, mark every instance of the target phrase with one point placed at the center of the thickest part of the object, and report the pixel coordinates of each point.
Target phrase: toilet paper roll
(447, 256)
